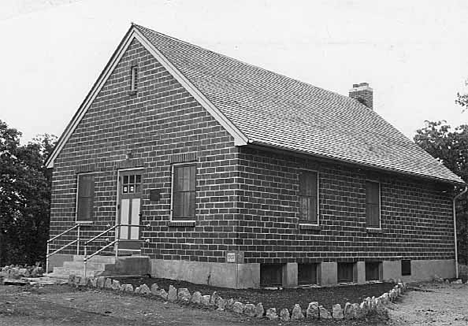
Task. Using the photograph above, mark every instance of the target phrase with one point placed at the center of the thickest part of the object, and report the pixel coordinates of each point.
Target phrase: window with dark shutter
(373, 204)
(183, 185)
(308, 197)
(84, 210)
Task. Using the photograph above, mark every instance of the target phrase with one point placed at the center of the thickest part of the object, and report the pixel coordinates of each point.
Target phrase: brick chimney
(363, 93)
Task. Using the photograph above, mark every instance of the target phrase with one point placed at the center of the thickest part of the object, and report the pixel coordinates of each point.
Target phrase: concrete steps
(95, 266)
(95, 259)
(103, 266)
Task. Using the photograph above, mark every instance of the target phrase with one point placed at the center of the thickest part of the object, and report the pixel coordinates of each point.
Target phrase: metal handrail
(61, 248)
(101, 234)
(115, 242)
(64, 232)
(77, 241)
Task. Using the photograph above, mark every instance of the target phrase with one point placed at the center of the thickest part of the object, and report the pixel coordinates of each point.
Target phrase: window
(307, 274)
(373, 204)
(345, 272)
(85, 201)
(373, 270)
(131, 184)
(134, 78)
(405, 267)
(183, 185)
(271, 274)
(308, 197)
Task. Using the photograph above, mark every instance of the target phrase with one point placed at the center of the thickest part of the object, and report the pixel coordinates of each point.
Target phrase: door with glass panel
(130, 184)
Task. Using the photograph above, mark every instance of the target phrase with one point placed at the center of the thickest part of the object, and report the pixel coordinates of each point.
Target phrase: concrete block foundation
(329, 273)
(290, 275)
(360, 272)
(248, 275)
(230, 275)
(241, 276)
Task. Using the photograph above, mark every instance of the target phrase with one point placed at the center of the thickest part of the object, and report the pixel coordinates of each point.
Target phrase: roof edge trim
(95, 89)
(258, 144)
(133, 33)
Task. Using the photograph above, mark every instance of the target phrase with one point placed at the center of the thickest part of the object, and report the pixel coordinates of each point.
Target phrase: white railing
(77, 241)
(109, 244)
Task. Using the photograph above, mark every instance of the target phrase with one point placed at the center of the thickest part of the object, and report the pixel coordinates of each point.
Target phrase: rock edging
(215, 301)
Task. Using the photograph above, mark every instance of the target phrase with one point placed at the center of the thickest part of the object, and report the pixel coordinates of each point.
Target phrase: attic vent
(133, 79)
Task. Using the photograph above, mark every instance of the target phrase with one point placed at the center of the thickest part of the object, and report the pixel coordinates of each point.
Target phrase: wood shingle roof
(273, 110)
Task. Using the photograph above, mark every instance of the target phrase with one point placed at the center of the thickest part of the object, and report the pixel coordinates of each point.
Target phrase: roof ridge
(257, 100)
(347, 98)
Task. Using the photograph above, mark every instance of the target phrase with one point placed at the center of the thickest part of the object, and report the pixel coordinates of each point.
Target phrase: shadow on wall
(463, 272)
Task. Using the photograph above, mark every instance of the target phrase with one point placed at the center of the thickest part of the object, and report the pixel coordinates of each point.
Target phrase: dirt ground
(427, 304)
(65, 305)
(432, 304)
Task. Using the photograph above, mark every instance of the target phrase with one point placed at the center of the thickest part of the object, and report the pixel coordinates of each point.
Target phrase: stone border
(313, 311)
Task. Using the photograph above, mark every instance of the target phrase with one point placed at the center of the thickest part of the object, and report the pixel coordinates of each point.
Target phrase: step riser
(64, 273)
(95, 259)
(90, 266)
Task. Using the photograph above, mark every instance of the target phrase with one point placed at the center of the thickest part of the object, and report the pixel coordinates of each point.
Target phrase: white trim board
(239, 138)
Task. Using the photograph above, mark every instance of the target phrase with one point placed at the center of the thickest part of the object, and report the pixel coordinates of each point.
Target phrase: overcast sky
(413, 53)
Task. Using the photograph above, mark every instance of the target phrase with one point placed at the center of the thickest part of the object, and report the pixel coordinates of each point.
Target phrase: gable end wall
(156, 125)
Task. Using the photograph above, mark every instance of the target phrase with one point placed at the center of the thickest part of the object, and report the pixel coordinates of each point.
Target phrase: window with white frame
(308, 197)
(373, 204)
(183, 191)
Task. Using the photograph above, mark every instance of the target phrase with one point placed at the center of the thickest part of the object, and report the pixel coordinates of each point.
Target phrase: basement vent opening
(373, 269)
(271, 275)
(345, 272)
(307, 274)
(405, 267)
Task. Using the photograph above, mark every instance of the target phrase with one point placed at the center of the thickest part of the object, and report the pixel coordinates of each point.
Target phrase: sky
(414, 54)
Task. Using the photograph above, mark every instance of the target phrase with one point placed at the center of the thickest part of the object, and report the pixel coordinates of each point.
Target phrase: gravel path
(432, 304)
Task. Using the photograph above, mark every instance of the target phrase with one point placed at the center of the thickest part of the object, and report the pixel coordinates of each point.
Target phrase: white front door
(130, 184)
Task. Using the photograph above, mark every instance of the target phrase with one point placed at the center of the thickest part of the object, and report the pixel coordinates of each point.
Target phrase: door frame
(118, 202)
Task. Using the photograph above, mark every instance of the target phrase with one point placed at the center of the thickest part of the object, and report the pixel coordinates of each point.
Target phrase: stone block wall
(416, 215)
(159, 125)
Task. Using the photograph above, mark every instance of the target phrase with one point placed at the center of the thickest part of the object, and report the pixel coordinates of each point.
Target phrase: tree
(24, 197)
(462, 99)
(450, 146)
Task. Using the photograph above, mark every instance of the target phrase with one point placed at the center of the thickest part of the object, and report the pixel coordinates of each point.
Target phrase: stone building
(240, 177)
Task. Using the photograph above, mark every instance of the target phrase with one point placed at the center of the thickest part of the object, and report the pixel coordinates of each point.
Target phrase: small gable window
(133, 79)
(85, 198)
(183, 192)
(373, 204)
(308, 197)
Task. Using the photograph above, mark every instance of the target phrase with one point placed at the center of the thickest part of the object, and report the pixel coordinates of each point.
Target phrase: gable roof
(264, 108)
